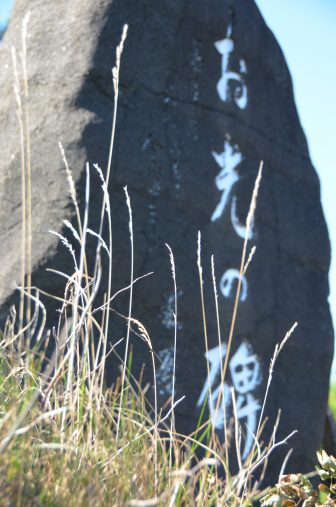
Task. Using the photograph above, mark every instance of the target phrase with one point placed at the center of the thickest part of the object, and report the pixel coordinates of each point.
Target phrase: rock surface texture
(205, 94)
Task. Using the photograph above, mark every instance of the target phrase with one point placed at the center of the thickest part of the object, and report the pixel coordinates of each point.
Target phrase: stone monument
(205, 95)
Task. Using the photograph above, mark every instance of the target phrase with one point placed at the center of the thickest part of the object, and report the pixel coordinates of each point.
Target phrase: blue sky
(305, 29)
(5, 7)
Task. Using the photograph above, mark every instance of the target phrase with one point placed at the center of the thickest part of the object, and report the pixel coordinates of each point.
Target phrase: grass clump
(51, 461)
(96, 447)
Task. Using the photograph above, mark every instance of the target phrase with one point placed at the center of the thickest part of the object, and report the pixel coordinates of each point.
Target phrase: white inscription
(225, 180)
(244, 366)
(214, 357)
(238, 227)
(164, 375)
(228, 160)
(167, 311)
(245, 376)
(231, 85)
(227, 284)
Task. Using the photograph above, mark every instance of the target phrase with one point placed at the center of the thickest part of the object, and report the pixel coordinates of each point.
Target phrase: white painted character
(239, 228)
(167, 311)
(220, 408)
(227, 283)
(225, 47)
(164, 375)
(246, 376)
(215, 357)
(228, 161)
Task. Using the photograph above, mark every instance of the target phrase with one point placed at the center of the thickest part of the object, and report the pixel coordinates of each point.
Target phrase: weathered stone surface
(199, 108)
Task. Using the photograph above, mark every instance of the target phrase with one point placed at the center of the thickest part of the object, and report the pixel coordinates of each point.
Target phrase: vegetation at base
(297, 490)
(89, 446)
(332, 399)
(65, 449)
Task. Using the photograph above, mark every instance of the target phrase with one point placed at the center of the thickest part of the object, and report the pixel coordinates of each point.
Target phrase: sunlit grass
(332, 399)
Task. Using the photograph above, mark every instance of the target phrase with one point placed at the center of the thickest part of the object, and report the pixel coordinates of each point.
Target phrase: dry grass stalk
(17, 92)
(28, 161)
(172, 422)
(200, 274)
(129, 309)
(249, 222)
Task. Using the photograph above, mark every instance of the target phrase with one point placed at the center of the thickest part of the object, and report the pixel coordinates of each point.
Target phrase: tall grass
(66, 438)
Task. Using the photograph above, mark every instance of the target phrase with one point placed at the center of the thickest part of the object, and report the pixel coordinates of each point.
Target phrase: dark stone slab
(205, 94)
